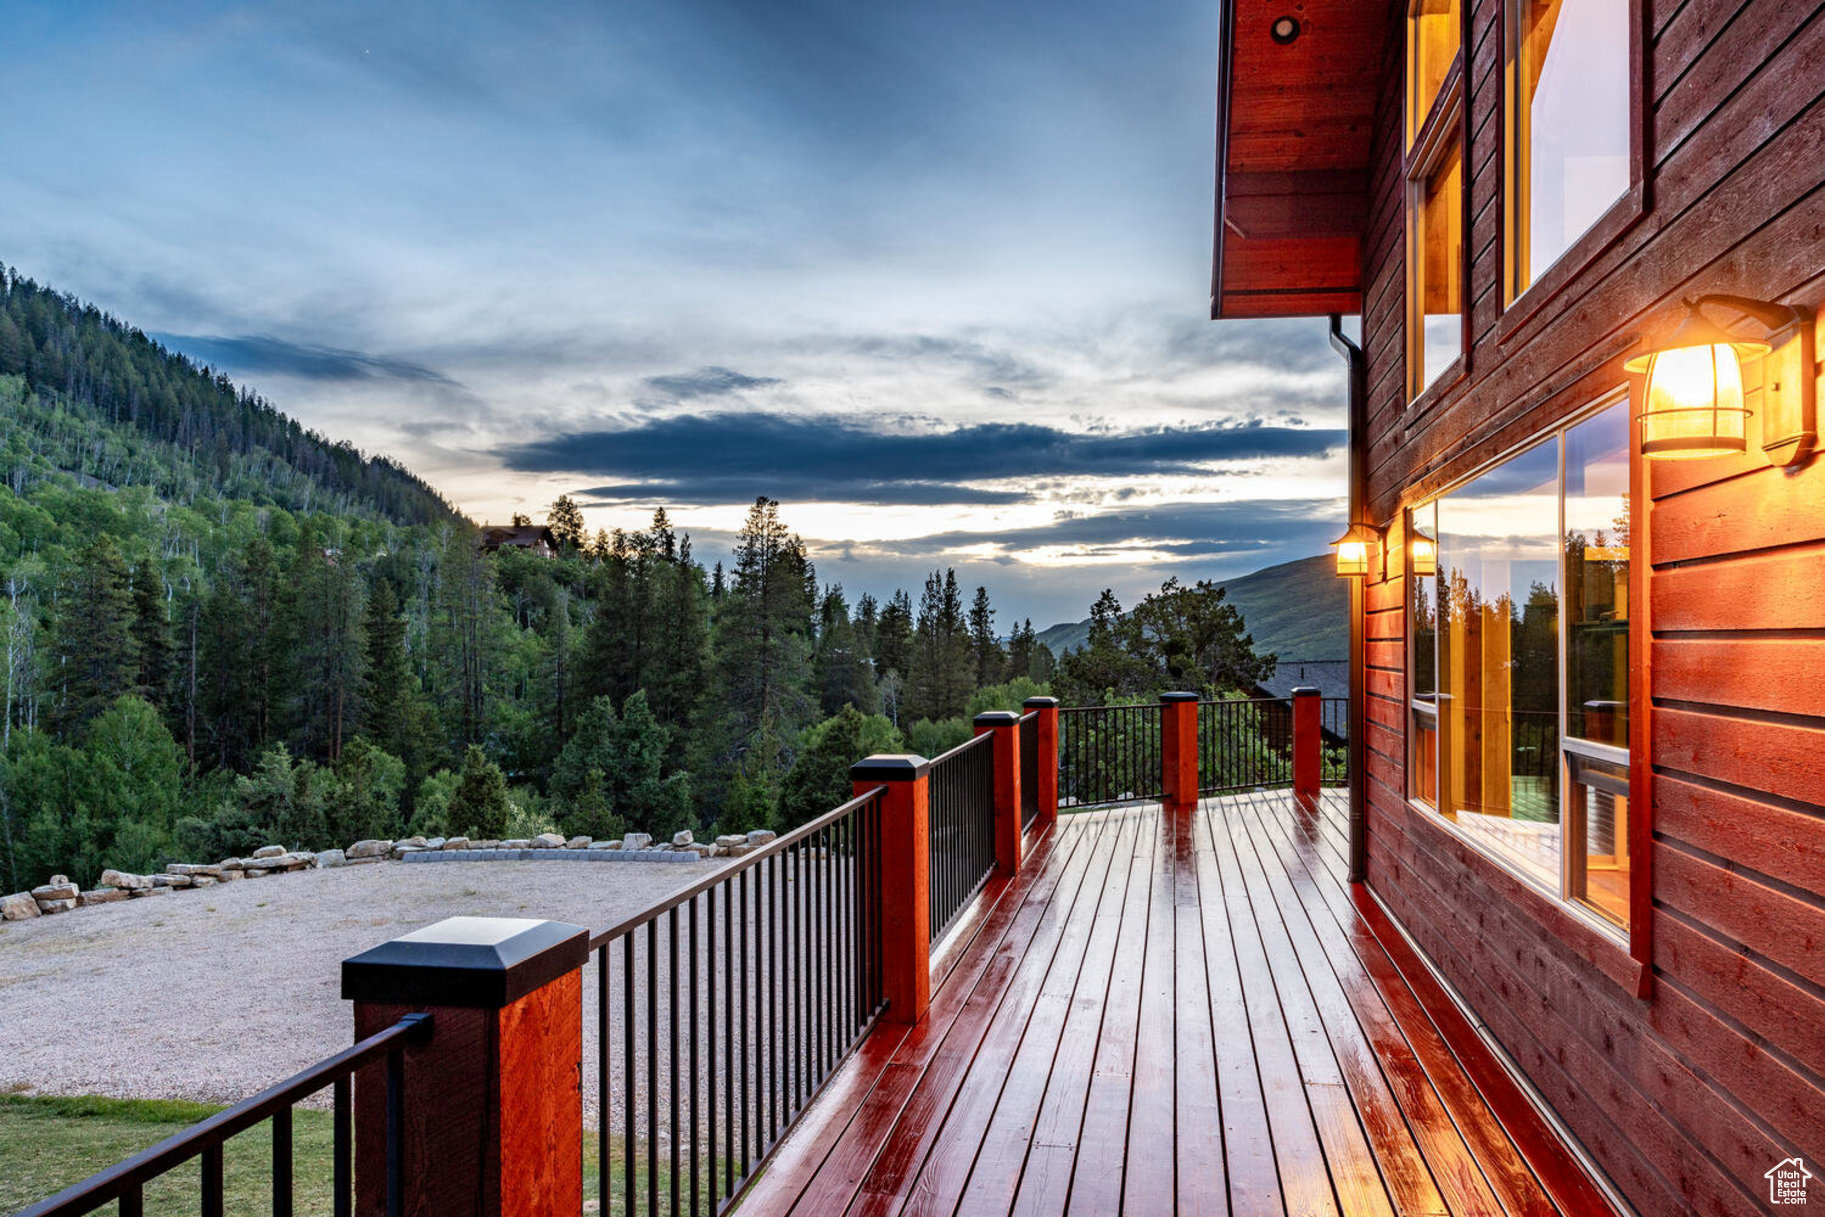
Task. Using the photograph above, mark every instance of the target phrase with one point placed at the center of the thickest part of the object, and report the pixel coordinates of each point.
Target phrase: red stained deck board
(1189, 1014)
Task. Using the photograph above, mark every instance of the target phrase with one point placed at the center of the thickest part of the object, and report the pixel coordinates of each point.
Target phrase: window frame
(1446, 122)
(1621, 216)
(1635, 937)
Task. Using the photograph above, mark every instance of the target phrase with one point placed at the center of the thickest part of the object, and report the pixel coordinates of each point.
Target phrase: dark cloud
(731, 458)
(1183, 529)
(745, 489)
(259, 353)
(707, 382)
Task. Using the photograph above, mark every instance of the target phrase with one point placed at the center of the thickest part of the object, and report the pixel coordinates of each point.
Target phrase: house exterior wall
(1688, 1083)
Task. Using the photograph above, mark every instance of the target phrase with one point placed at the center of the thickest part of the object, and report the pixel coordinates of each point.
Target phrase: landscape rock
(193, 869)
(19, 907)
(103, 895)
(269, 851)
(577, 843)
(682, 838)
(57, 906)
(124, 881)
(369, 849)
(332, 858)
(177, 880)
(229, 876)
(418, 842)
(605, 845)
(761, 836)
(728, 840)
(736, 851)
(229, 864)
(149, 891)
(59, 888)
(637, 840)
(456, 843)
(516, 844)
(203, 881)
(297, 861)
(548, 840)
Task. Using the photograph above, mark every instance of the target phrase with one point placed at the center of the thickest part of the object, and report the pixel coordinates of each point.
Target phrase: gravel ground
(213, 995)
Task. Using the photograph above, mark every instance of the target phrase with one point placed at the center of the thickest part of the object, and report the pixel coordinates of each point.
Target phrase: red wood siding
(1687, 1095)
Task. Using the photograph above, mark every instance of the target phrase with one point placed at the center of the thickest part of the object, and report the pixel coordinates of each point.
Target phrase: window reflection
(1570, 124)
(1440, 267)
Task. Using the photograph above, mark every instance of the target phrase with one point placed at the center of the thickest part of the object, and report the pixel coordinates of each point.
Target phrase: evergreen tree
(819, 777)
(478, 806)
(1106, 666)
(97, 647)
(322, 640)
(566, 524)
(386, 678)
(991, 660)
(152, 637)
(1190, 638)
(840, 670)
(893, 636)
(943, 666)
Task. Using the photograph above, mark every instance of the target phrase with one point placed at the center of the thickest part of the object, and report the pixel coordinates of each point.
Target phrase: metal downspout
(1359, 478)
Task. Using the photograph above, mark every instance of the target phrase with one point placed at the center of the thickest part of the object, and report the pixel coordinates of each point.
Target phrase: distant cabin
(535, 537)
(1331, 677)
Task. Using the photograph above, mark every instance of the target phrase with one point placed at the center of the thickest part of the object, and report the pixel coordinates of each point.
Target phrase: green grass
(46, 1144)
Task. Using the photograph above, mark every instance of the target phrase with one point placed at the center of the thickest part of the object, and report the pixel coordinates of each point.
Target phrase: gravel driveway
(215, 994)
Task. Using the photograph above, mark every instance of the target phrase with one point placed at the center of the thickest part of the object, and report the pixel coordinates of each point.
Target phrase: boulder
(417, 842)
(19, 907)
(637, 840)
(59, 888)
(193, 869)
(362, 861)
(456, 843)
(203, 881)
(761, 836)
(297, 861)
(578, 843)
(369, 849)
(269, 851)
(150, 891)
(406, 851)
(124, 881)
(516, 844)
(104, 895)
(682, 838)
(702, 851)
(548, 840)
(731, 839)
(177, 880)
(736, 851)
(605, 845)
(229, 876)
(331, 858)
(57, 906)
(229, 864)
(434, 842)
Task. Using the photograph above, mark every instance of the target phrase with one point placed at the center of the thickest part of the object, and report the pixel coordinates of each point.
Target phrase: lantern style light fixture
(1422, 555)
(1694, 394)
(1353, 550)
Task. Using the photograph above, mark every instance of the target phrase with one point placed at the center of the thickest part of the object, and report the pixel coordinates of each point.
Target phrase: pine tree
(943, 667)
(98, 649)
(152, 637)
(386, 677)
(991, 660)
(840, 671)
(893, 636)
(479, 807)
(566, 524)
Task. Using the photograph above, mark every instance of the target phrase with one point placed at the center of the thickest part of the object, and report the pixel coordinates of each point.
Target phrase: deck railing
(202, 1142)
(1108, 754)
(962, 817)
(1244, 744)
(1029, 769)
(736, 999)
(1334, 723)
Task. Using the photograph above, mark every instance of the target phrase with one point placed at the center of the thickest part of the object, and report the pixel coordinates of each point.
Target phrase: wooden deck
(1186, 1013)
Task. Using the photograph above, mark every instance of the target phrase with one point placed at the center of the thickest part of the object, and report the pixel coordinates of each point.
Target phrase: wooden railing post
(493, 1104)
(906, 978)
(1308, 747)
(1047, 766)
(1004, 725)
(1179, 750)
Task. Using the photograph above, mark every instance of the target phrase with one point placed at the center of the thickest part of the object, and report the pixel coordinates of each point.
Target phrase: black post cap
(997, 718)
(1305, 691)
(1178, 697)
(1039, 703)
(489, 962)
(889, 767)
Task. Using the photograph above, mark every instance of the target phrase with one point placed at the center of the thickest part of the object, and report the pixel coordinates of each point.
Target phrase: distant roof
(1331, 677)
(521, 536)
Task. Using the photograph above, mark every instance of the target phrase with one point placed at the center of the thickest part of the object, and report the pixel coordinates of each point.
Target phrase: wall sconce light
(1353, 550)
(1422, 555)
(1694, 395)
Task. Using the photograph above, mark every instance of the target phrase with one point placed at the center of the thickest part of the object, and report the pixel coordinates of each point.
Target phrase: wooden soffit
(1294, 121)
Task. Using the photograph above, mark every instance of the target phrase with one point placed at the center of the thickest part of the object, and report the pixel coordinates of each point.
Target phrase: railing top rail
(1243, 701)
(108, 1184)
(1030, 714)
(978, 741)
(782, 842)
(1150, 705)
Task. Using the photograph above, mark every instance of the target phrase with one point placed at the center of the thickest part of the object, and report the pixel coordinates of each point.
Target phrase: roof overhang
(1294, 127)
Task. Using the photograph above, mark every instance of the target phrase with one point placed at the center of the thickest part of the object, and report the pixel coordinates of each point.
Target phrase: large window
(1568, 126)
(1435, 191)
(1519, 701)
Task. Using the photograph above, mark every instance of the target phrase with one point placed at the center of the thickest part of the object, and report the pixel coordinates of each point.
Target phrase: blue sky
(934, 275)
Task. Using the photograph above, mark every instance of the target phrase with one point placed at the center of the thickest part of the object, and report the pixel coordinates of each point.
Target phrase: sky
(933, 275)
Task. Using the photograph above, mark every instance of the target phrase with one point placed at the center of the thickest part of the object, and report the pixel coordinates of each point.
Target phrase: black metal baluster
(396, 1133)
(630, 1083)
(728, 1039)
(747, 933)
(652, 1068)
(281, 1163)
(133, 1202)
(342, 1172)
(671, 1012)
(211, 1169)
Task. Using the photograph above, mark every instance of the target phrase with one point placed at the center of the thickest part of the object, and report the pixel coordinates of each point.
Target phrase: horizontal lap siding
(1684, 1097)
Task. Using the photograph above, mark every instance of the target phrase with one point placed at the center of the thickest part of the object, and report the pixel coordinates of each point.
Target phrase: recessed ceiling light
(1285, 30)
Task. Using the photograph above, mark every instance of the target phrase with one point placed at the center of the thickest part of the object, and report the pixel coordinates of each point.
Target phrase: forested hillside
(218, 631)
